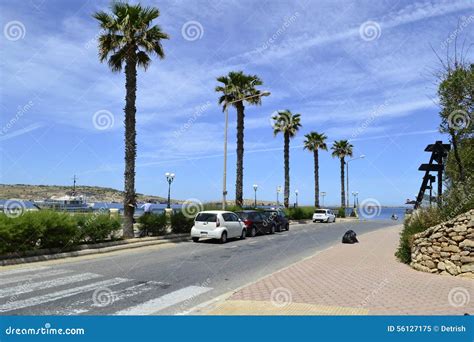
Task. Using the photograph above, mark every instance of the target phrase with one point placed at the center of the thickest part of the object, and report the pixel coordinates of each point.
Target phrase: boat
(66, 203)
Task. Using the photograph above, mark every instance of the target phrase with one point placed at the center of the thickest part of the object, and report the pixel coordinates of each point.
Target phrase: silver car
(217, 224)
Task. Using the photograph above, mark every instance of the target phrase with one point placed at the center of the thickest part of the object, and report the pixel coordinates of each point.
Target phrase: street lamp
(169, 178)
(355, 193)
(323, 194)
(226, 125)
(296, 194)
(278, 193)
(255, 187)
(347, 175)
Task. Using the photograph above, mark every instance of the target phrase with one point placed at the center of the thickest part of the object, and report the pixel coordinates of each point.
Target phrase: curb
(89, 250)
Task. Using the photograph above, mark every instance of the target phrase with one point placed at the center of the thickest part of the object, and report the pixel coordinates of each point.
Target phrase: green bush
(341, 212)
(59, 230)
(300, 213)
(180, 223)
(154, 224)
(97, 227)
(419, 221)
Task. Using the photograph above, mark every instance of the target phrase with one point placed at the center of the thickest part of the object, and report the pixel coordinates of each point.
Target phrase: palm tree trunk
(130, 146)
(343, 191)
(287, 169)
(316, 179)
(239, 182)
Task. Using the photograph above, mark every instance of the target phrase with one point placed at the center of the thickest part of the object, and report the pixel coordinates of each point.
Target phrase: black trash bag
(350, 237)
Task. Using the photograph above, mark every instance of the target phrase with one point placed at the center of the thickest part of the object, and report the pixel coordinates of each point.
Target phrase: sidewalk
(359, 279)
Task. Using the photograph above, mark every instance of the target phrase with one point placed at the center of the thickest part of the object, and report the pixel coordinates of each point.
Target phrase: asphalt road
(163, 280)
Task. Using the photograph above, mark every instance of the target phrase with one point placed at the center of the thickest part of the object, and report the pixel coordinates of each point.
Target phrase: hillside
(93, 193)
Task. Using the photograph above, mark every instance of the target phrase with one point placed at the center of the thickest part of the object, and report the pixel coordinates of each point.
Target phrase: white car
(218, 224)
(324, 215)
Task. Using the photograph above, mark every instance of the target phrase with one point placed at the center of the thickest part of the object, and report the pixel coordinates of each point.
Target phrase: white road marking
(22, 270)
(30, 277)
(163, 302)
(85, 305)
(50, 297)
(30, 287)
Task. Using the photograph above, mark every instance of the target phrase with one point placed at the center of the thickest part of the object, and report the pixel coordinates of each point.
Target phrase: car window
(234, 217)
(282, 214)
(243, 216)
(320, 211)
(206, 217)
(226, 217)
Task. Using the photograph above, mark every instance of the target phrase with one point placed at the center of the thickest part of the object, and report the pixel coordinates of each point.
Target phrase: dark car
(277, 217)
(256, 222)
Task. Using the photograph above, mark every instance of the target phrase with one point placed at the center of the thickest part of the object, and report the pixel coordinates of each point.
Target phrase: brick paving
(363, 278)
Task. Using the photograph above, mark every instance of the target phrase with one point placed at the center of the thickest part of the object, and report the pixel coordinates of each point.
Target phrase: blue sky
(363, 71)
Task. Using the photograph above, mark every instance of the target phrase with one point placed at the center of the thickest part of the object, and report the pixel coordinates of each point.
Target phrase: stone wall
(447, 248)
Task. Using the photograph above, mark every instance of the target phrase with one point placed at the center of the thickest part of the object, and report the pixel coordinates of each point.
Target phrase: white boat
(67, 203)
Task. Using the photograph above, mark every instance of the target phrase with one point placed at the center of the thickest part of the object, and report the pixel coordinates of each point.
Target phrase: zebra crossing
(54, 291)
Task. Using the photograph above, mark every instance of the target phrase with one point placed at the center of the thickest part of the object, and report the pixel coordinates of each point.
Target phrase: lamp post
(255, 187)
(226, 125)
(278, 193)
(169, 178)
(347, 175)
(296, 194)
(323, 194)
(355, 193)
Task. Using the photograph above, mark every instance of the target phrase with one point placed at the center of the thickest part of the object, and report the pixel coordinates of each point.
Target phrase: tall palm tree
(129, 38)
(341, 149)
(237, 89)
(314, 142)
(288, 124)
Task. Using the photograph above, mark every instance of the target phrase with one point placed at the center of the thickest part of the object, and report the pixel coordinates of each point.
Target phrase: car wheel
(272, 229)
(327, 221)
(244, 234)
(253, 232)
(223, 238)
(287, 227)
(195, 239)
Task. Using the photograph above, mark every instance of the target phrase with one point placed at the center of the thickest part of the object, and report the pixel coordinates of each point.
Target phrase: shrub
(97, 227)
(180, 223)
(153, 223)
(341, 212)
(419, 221)
(59, 230)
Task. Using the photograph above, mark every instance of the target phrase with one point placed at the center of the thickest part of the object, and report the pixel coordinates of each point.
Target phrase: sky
(359, 70)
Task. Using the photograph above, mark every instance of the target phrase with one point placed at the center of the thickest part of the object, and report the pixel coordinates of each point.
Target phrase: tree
(288, 124)
(129, 38)
(237, 89)
(456, 98)
(341, 149)
(314, 142)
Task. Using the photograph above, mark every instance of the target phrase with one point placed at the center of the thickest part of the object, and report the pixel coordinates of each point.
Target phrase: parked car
(277, 217)
(256, 222)
(324, 215)
(218, 224)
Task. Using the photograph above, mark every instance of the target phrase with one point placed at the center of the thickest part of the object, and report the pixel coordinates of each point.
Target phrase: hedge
(50, 229)
(180, 223)
(154, 224)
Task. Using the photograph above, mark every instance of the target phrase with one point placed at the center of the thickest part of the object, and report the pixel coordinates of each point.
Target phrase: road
(162, 280)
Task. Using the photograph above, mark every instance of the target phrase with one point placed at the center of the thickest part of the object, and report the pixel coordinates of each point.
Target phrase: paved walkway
(357, 279)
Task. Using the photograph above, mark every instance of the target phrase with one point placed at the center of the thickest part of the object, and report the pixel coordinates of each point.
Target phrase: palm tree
(315, 142)
(129, 38)
(236, 89)
(288, 124)
(342, 149)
